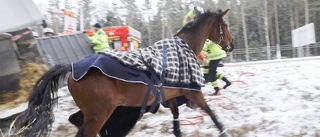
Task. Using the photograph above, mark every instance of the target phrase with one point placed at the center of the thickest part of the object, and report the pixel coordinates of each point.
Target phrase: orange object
(201, 56)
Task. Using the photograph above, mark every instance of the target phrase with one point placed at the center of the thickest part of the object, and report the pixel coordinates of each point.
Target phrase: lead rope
(163, 74)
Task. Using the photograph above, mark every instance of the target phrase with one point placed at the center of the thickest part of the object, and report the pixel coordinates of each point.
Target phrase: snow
(278, 99)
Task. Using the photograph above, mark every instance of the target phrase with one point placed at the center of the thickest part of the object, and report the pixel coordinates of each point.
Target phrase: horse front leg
(198, 99)
(76, 119)
(173, 105)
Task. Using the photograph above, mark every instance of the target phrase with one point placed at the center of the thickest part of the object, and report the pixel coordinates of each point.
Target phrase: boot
(228, 83)
(217, 89)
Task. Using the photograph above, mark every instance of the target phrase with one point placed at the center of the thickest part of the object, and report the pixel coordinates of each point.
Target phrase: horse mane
(200, 18)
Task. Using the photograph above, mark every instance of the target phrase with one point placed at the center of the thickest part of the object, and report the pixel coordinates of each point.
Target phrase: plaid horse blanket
(182, 68)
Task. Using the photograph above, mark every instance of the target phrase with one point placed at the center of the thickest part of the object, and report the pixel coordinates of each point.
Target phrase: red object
(124, 34)
(201, 56)
(18, 36)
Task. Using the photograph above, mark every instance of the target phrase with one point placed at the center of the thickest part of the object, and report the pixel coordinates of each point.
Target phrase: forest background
(256, 25)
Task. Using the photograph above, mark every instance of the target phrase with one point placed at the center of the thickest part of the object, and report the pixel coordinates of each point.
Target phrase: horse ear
(224, 13)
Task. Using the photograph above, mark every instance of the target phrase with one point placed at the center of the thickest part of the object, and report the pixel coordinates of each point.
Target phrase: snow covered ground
(275, 100)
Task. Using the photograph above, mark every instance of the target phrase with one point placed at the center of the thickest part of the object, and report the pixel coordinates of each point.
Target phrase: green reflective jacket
(100, 41)
(188, 17)
(213, 51)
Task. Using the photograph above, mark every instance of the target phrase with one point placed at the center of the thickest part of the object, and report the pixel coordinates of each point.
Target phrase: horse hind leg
(198, 99)
(77, 120)
(94, 119)
(97, 101)
(173, 105)
(91, 125)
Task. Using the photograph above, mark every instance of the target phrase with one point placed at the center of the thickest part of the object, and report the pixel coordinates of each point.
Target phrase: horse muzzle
(230, 47)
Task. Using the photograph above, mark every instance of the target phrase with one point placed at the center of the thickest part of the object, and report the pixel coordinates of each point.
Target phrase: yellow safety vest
(100, 41)
(213, 51)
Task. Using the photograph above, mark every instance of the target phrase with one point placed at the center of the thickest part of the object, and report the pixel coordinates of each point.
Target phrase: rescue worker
(48, 32)
(214, 53)
(99, 40)
(191, 14)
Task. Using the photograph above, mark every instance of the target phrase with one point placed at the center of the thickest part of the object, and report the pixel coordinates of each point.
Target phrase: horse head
(222, 35)
(207, 25)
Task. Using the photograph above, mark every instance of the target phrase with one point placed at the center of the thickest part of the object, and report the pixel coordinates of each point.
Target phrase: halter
(222, 39)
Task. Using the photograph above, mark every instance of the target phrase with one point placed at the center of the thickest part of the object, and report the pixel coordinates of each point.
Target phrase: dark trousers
(211, 76)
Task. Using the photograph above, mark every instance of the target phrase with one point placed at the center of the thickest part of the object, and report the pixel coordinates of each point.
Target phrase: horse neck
(196, 43)
(196, 39)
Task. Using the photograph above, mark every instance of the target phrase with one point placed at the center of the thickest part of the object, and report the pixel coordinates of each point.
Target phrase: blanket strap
(163, 74)
(152, 89)
(154, 79)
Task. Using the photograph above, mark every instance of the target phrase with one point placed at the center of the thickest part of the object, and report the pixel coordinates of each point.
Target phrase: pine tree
(68, 5)
(86, 6)
(55, 16)
(148, 9)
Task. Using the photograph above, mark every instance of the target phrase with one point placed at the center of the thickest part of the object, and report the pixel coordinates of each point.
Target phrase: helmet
(48, 30)
(35, 34)
(199, 9)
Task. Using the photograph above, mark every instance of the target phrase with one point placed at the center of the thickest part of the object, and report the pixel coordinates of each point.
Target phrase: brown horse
(124, 118)
(98, 95)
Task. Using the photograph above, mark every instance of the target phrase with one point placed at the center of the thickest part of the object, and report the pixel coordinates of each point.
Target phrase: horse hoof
(178, 133)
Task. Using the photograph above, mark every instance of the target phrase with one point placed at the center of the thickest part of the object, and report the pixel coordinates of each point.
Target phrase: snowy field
(265, 100)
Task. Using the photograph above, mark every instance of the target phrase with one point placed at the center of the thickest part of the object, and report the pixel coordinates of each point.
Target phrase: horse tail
(37, 119)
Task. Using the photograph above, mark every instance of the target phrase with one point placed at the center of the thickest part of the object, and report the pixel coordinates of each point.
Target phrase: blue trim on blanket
(108, 66)
(113, 68)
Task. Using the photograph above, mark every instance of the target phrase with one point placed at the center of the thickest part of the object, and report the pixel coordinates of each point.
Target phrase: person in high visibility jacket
(99, 40)
(214, 53)
(191, 14)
